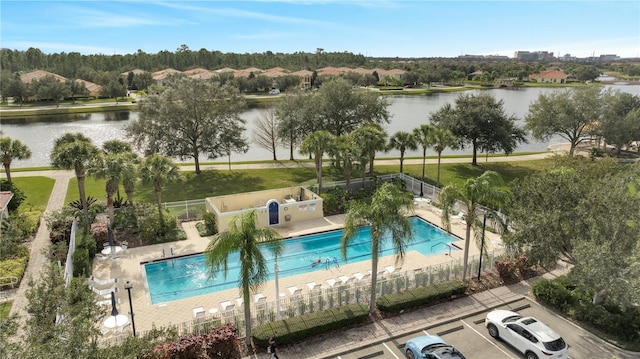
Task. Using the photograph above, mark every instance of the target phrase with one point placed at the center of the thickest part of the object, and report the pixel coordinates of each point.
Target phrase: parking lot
(470, 336)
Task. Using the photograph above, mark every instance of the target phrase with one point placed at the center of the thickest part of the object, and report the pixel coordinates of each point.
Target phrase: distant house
(550, 76)
(27, 78)
(159, 76)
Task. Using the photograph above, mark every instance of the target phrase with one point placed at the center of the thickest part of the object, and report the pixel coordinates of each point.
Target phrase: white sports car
(526, 334)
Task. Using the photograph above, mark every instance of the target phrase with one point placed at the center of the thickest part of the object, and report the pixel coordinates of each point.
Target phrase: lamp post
(128, 287)
(484, 224)
(275, 265)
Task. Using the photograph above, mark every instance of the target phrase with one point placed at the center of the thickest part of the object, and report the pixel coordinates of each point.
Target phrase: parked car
(528, 335)
(430, 347)
(274, 92)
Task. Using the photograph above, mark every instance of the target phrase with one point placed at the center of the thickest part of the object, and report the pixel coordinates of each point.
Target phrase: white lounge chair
(345, 279)
(198, 313)
(293, 290)
(99, 281)
(331, 282)
(103, 291)
(313, 286)
(359, 276)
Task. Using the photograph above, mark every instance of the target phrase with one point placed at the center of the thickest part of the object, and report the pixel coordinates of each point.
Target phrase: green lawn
(37, 190)
(5, 308)
(221, 182)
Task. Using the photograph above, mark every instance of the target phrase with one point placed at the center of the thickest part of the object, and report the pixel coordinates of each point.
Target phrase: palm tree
(423, 138)
(244, 238)
(384, 213)
(348, 151)
(110, 168)
(12, 149)
(157, 171)
(316, 144)
(370, 138)
(441, 138)
(402, 141)
(74, 151)
(130, 171)
(473, 192)
(113, 147)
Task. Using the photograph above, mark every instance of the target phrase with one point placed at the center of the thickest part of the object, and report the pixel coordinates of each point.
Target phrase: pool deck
(127, 267)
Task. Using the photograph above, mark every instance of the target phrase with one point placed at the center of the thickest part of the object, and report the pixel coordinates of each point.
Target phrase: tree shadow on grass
(216, 182)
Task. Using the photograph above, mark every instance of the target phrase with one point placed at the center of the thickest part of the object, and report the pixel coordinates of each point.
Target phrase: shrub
(81, 262)
(152, 231)
(210, 222)
(432, 294)
(13, 267)
(554, 293)
(303, 326)
(506, 269)
(221, 342)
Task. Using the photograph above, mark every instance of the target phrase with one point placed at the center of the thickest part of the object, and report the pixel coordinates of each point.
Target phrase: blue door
(274, 212)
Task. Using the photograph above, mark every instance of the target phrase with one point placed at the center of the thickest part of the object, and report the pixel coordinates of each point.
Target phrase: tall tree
(158, 171)
(620, 122)
(385, 214)
(423, 138)
(188, 119)
(370, 139)
(76, 88)
(265, 133)
(49, 87)
(402, 141)
(293, 114)
(244, 239)
(113, 89)
(341, 109)
(482, 190)
(130, 176)
(317, 144)
(441, 139)
(74, 151)
(114, 147)
(597, 235)
(10, 150)
(110, 168)
(480, 121)
(346, 148)
(55, 312)
(566, 113)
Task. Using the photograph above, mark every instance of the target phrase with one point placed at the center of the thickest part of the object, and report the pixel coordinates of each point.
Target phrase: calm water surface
(407, 113)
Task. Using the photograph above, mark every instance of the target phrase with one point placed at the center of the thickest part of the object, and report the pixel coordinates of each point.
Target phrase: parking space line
(487, 339)
(389, 349)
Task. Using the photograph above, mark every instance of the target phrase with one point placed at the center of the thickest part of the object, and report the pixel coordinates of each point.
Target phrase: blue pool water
(188, 276)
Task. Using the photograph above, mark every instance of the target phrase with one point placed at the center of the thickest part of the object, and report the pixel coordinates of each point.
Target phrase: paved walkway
(38, 255)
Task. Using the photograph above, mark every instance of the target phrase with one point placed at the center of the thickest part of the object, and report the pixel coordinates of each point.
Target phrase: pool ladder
(439, 243)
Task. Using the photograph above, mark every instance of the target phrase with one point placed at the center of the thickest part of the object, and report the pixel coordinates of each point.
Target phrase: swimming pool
(188, 276)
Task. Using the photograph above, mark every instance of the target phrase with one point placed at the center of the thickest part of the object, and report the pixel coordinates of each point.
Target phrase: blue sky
(370, 27)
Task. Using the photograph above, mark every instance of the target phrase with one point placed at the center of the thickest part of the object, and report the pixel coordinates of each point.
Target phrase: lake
(407, 112)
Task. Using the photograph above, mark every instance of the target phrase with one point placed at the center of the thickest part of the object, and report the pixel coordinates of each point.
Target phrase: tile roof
(39, 74)
(549, 74)
(5, 197)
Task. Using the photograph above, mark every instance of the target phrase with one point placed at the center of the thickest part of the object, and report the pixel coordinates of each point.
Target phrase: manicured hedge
(432, 294)
(301, 327)
(622, 323)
